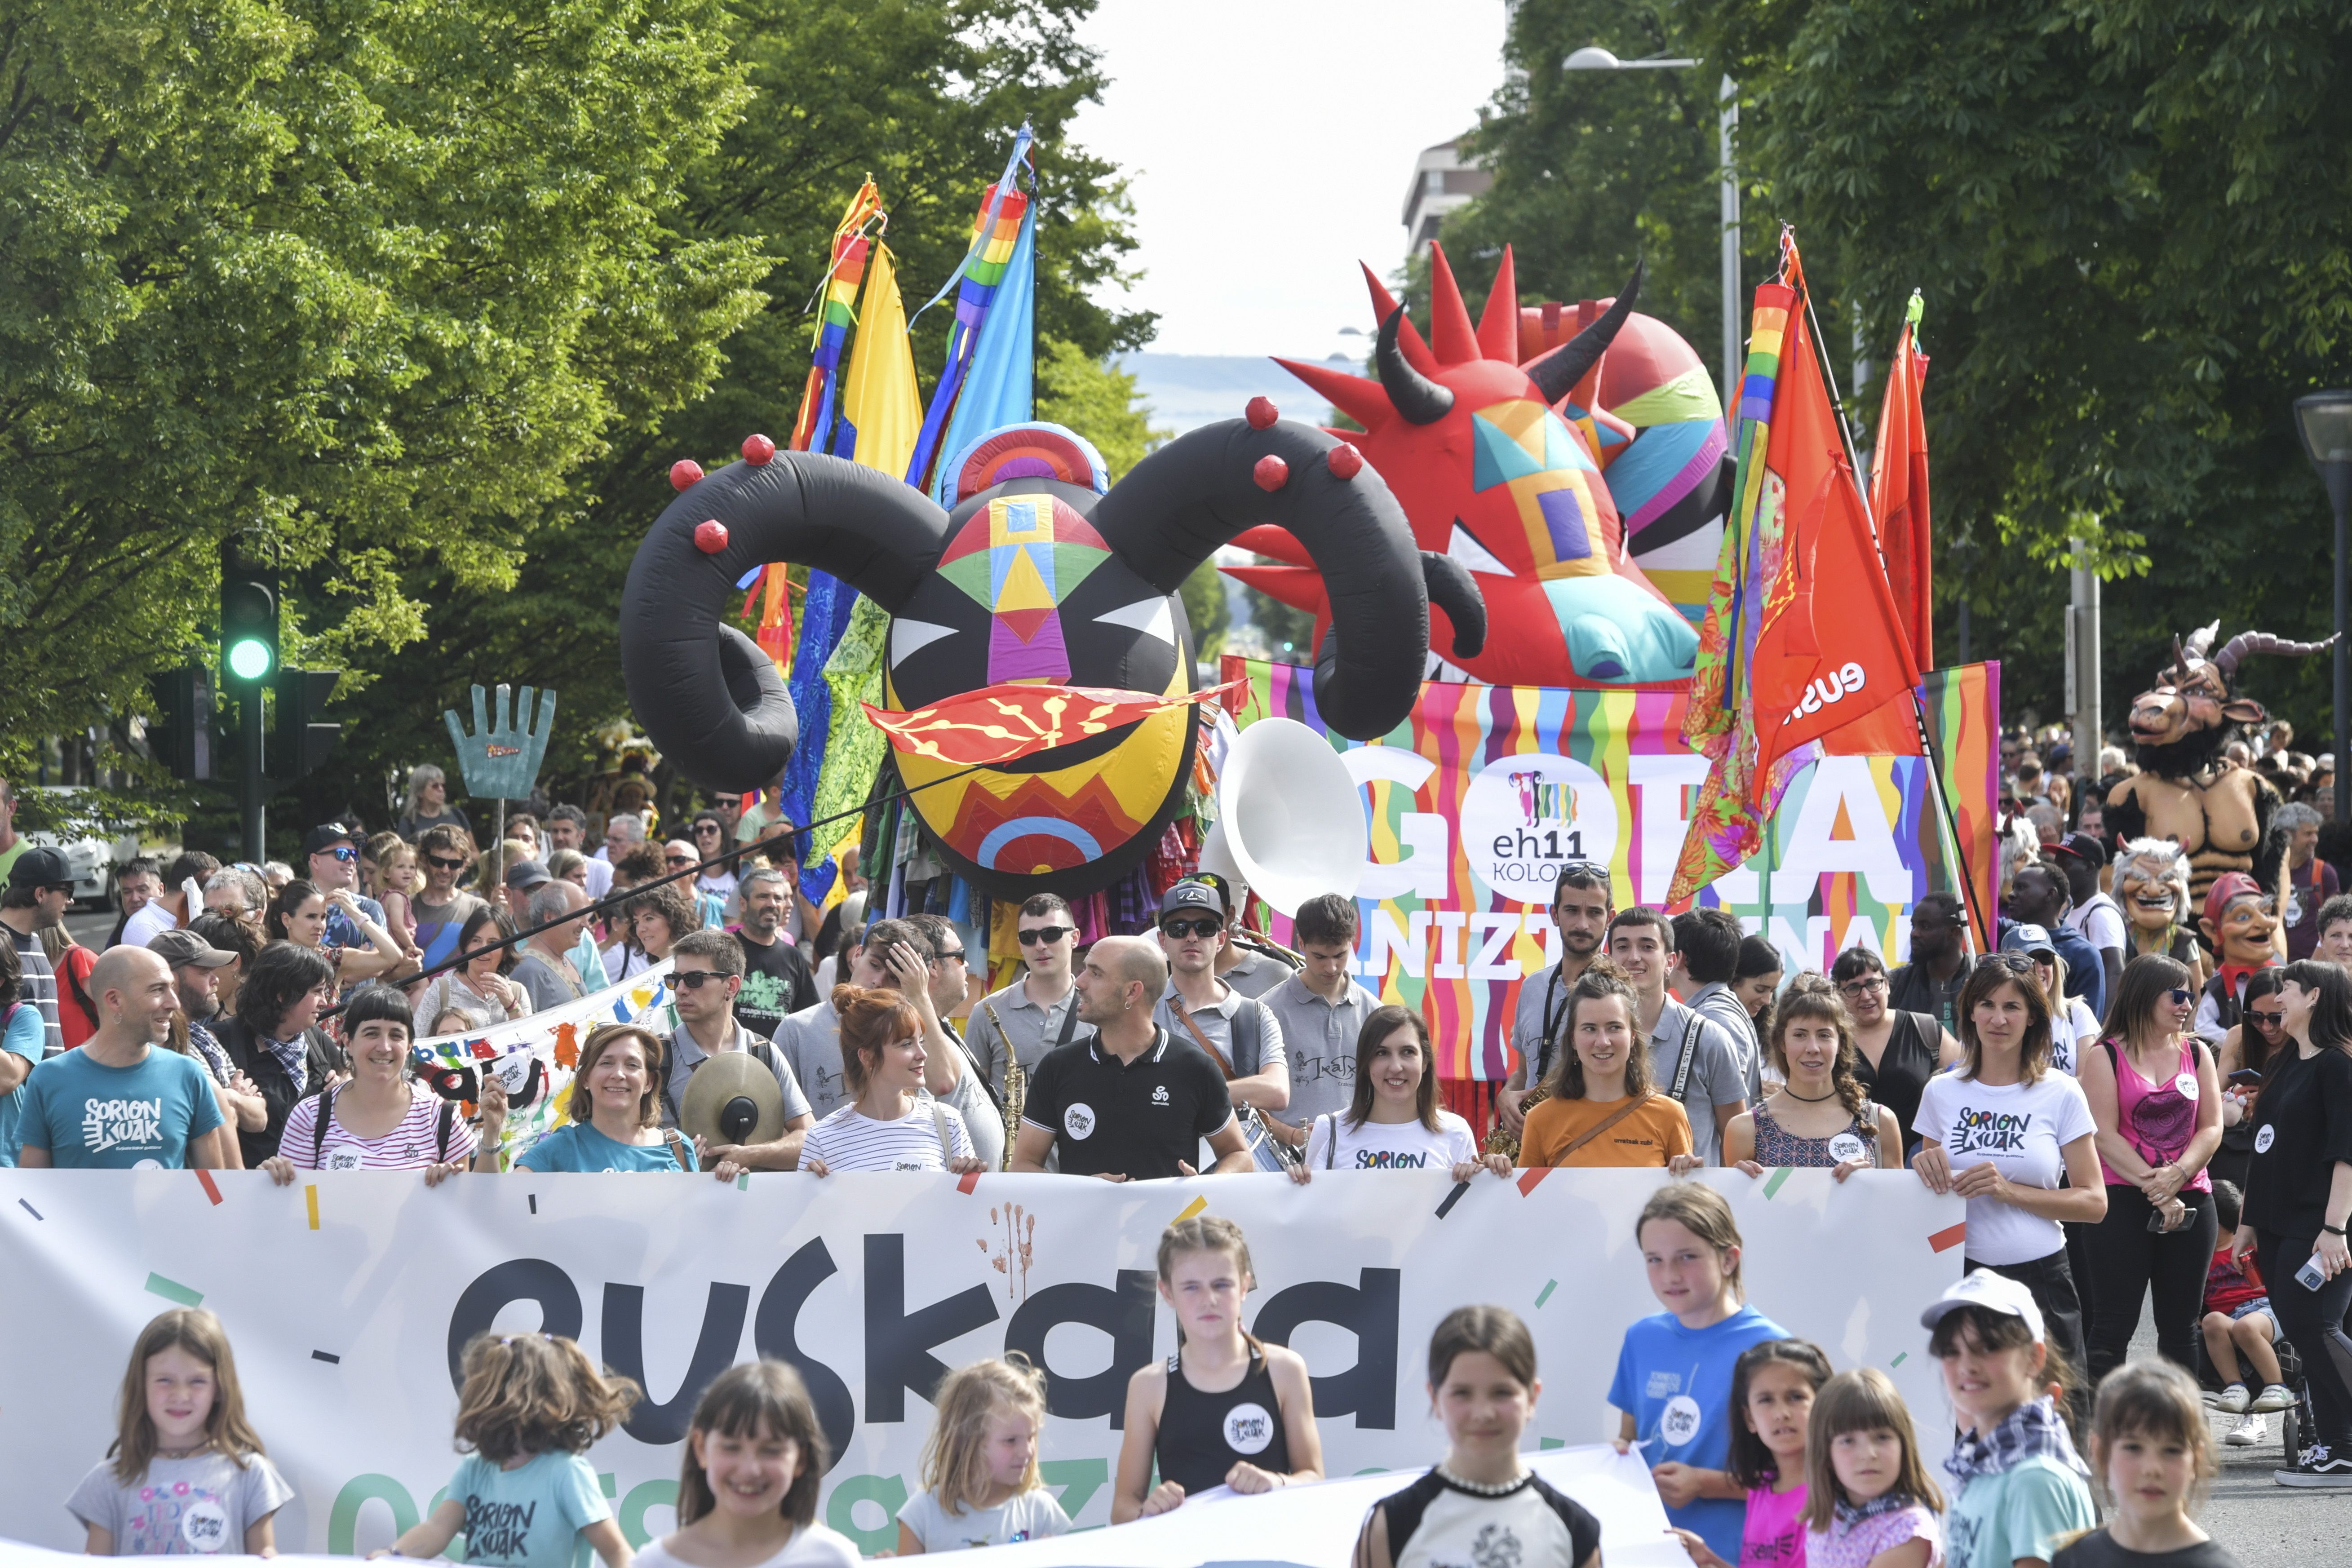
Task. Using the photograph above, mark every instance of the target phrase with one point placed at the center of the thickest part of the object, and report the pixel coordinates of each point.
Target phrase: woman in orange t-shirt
(1602, 1111)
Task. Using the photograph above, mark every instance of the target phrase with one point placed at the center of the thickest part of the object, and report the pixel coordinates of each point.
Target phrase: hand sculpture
(502, 762)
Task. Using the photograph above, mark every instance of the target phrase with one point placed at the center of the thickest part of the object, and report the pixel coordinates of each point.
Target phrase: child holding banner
(1675, 1371)
(1483, 1385)
(1226, 1409)
(1772, 1389)
(755, 1455)
(1869, 1503)
(981, 1485)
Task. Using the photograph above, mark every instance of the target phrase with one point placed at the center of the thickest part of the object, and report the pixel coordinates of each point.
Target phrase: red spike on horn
(1498, 325)
(1383, 301)
(1360, 400)
(1450, 332)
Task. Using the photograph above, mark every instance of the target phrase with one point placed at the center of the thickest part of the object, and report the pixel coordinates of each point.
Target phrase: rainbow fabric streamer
(996, 235)
(813, 430)
(1476, 800)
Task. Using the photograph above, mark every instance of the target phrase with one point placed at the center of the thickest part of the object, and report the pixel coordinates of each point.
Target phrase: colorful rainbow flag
(995, 234)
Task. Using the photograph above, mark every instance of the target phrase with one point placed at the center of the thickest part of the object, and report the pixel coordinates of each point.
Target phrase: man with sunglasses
(705, 976)
(1581, 904)
(440, 911)
(1239, 1033)
(332, 849)
(1040, 1010)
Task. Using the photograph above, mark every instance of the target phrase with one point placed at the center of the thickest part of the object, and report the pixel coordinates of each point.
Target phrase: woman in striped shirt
(891, 1125)
(380, 1120)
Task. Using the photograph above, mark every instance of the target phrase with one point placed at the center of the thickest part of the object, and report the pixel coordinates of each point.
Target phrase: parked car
(91, 860)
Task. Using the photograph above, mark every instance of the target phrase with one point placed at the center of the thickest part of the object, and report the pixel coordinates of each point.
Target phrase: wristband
(2332, 1229)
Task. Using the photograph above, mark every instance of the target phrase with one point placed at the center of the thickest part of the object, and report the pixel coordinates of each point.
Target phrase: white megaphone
(1290, 821)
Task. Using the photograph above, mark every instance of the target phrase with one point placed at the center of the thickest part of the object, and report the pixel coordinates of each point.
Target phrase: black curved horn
(1412, 395)
(1176, 506)
(1558, 372)
(705, 694)
(1455, 590)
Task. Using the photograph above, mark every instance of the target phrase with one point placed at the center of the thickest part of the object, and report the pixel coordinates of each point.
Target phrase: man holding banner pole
(1580, 908)
(1127, 1103)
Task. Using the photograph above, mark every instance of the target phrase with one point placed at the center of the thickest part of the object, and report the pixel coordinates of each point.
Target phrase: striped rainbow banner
(1476, 800)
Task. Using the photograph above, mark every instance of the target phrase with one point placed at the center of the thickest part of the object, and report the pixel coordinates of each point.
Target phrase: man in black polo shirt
(1127, 1102)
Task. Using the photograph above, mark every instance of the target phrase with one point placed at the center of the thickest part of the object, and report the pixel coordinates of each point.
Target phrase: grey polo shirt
(1257, 973)
(1714, 1000)
(1318, 1039)
(1033, 1030)
(1715, 1077)
(1216, 1022)
(810, 1040)
(685, 1053)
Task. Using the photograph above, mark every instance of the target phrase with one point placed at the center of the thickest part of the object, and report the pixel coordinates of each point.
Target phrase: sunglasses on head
(1207, 925)
(444, 862)
(1044, 936)
(692, 979)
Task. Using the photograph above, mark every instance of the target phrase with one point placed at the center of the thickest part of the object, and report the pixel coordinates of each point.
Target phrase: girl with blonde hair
(981, 1485)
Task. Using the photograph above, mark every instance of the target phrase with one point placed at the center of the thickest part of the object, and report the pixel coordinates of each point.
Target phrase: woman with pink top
(2156, 1096)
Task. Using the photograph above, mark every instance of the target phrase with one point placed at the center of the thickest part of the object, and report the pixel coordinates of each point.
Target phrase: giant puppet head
(1492, 476)
(1041, 576)
(2181, 726)
(2241, 921)
(2152, 887)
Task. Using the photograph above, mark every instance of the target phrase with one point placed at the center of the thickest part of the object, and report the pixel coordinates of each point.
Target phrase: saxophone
(1016, 1089)
(1502, 1141)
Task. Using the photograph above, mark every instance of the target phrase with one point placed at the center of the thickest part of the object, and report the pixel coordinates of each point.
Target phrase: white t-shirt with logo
(2021, 1128)
(1390, 1146)
(2072, 1030)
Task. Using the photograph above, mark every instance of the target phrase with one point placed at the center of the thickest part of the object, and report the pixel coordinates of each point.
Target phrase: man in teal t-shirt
(119, 1103)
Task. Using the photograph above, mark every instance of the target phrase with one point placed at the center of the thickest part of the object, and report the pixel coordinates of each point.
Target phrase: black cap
(2082, 847)
(327, 835)
(1192, 894)
(40, 867)
(527, 874)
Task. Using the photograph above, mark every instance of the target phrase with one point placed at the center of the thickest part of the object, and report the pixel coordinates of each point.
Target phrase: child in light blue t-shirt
(1674, 1375)
(529, 1407)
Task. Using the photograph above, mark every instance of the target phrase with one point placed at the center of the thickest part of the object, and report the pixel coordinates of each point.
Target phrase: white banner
(347, 1297)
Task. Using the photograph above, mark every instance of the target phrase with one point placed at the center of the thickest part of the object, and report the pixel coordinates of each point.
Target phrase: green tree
(359, 286)
(2132, 223)
(922, 95)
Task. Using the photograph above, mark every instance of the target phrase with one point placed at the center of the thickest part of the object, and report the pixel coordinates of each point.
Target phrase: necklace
(1790, 1090)
(1484, 1489)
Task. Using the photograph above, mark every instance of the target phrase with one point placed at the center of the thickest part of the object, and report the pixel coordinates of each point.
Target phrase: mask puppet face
(2151, 901)
(2242, 934)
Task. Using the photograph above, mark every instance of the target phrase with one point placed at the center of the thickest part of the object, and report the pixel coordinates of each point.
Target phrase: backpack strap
(441, 1138)
(1691, 1028)
(1332, 1150)
(326, 1112)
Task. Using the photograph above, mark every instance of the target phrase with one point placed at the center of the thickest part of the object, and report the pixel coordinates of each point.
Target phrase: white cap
(1994, 1293)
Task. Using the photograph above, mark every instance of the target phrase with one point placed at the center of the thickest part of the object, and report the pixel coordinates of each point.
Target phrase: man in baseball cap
(2097, 918)
(40, 890)
(331, 851)
(196, 964)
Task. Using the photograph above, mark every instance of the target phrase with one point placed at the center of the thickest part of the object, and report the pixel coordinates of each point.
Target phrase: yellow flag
(879, 397)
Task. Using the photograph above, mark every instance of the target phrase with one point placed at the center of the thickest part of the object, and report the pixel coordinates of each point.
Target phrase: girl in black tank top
(1226, 1409)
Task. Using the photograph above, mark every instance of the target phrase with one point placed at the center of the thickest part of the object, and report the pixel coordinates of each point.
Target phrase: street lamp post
(1592, 57)
(2324, 419)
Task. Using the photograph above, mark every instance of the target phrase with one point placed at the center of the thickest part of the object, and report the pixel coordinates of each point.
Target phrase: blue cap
(2029, 939)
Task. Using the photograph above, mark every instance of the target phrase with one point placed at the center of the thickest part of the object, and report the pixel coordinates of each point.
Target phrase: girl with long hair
(1226, 1408)
(1869, 1503)
(2157, 1100)
(2020, 1488)
(1674, 1368)
(1483, 1385)
(890, 1122)
(1818, 1115)
(2299, 1198)
(1394, 1123)
(1603, 1108)
(2258, 1035)
(2002, 1130)
(1773, 1386)
(529, 1408)
(980, 1482)
(299, 915)
(186, 1474)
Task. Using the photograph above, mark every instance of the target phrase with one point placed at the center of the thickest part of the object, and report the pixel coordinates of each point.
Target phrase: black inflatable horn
(1561, 369)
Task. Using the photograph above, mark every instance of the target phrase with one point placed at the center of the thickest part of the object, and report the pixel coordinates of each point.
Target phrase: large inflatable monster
(1042, 575)
(2188, 789)
(1491, 475)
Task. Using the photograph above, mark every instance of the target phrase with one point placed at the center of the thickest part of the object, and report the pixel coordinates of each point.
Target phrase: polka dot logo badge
(1848, 1146)
(2262, 1139)
(1679, 1423)
(1078, 1121)
(1249, 1428)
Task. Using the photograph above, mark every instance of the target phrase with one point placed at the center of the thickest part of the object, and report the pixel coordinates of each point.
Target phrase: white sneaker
(2275, 1396)
(2249, 1430)
(2233, 1400)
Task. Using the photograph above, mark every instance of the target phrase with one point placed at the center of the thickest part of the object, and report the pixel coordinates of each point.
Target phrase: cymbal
(731, 1099)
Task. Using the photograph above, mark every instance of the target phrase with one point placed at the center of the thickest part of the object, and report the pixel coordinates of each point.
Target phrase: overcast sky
(1270, 144)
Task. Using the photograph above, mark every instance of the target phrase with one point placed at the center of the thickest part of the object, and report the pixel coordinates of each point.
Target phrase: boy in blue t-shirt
(117, 1102)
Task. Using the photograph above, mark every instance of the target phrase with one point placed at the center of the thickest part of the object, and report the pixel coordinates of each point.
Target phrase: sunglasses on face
(728, 803)
(955, 957)
(2267, 1020)
(700, 828)
(344, 853)
(676, 860)
(2180, 995)
(692, 979)
(1207, 925)
(446, 863)
(1044, 936)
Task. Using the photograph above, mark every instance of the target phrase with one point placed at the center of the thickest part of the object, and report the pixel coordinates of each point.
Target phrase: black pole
(2340, 497)
(251, 787)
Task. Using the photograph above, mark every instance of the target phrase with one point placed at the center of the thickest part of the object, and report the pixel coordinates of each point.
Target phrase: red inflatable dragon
(1491, 475)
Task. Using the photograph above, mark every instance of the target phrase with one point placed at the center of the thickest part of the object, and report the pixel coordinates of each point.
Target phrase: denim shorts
(2259, 1304)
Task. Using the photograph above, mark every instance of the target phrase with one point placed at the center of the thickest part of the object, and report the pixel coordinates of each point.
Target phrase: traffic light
(301, 741)
(248, 618)
(182, 739)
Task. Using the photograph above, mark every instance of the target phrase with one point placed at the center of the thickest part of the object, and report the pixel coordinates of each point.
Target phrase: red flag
(1832, 648)
(1898, 496)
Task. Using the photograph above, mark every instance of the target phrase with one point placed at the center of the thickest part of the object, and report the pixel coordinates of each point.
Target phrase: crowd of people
(1762, 1451)
(2126, 1144)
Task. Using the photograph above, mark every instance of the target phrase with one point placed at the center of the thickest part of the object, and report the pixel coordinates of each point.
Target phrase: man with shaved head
(1127, 1102)
(119, 1103)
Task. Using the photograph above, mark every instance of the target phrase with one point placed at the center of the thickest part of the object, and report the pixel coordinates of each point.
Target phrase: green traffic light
(249, 658)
